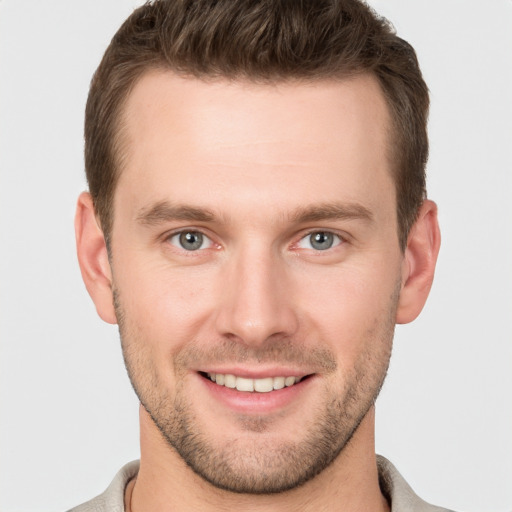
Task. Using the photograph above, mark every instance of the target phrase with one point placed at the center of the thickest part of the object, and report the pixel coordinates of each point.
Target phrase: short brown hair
(260, 40)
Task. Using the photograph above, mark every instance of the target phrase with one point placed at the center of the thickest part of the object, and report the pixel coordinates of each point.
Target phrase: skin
(256, 169)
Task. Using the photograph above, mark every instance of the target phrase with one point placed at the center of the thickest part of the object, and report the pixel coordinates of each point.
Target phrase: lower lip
(253, 402)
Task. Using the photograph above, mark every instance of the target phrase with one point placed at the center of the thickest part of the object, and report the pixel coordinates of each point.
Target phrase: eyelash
(182, 232)
(338, 240)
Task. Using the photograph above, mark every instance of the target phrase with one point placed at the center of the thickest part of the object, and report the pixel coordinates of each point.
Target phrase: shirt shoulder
(398, 492)
(112, 500)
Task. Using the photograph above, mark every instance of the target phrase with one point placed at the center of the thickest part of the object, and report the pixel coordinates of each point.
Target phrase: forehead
(219, 138)
(236, 104)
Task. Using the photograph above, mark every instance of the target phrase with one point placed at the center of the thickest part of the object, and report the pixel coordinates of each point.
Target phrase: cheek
(348, 305)
(167, 304)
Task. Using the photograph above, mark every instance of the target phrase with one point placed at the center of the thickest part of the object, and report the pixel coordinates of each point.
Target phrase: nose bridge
(256, 304)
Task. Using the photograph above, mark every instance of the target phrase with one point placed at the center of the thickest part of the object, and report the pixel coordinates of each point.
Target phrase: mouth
(263, 385)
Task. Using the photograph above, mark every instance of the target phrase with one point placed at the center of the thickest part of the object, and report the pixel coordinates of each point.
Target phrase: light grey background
(68, 414)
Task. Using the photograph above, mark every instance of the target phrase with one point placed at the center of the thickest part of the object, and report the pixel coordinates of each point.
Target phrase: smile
(264, 385)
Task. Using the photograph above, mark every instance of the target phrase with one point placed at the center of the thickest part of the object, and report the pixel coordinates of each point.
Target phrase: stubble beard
(255, 462)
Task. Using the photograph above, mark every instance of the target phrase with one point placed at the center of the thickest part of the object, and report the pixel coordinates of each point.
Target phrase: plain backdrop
(68, 414)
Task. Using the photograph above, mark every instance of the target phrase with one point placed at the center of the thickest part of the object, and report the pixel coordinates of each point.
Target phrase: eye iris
(191, 240)
(321, 241)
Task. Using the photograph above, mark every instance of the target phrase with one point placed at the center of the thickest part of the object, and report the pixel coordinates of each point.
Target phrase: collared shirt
(396, 490)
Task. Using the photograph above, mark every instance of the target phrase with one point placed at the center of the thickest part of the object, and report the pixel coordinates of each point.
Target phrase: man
(256, 225)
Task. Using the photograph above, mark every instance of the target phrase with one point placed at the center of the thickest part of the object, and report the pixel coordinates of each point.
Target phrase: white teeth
(264, 385)
(244, 384)
(259, 385)
(279, 382)
(230, 381)
(289, 381)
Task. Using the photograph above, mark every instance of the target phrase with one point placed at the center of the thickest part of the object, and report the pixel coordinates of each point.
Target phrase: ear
(93, 258)
(419, 263)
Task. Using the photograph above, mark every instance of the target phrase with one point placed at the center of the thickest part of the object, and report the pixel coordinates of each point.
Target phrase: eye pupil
(321, 241)
(191, 240)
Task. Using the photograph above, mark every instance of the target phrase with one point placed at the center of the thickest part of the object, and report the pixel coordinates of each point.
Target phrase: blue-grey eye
(190, 240)
(319, 241)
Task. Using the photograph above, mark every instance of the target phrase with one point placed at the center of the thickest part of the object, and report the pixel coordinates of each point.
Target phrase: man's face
(255, 241)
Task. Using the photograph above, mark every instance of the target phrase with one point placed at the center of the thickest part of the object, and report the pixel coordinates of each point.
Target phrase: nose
(257, 300)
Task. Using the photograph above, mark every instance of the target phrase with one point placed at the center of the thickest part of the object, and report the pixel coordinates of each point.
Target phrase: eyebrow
(163, 211)
(332, 211)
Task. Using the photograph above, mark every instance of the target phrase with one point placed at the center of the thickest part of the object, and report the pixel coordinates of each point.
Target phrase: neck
(166, 483)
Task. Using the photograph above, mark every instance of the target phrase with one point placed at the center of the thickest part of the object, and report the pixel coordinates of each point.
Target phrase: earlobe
(93, 258)
(419, 263)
